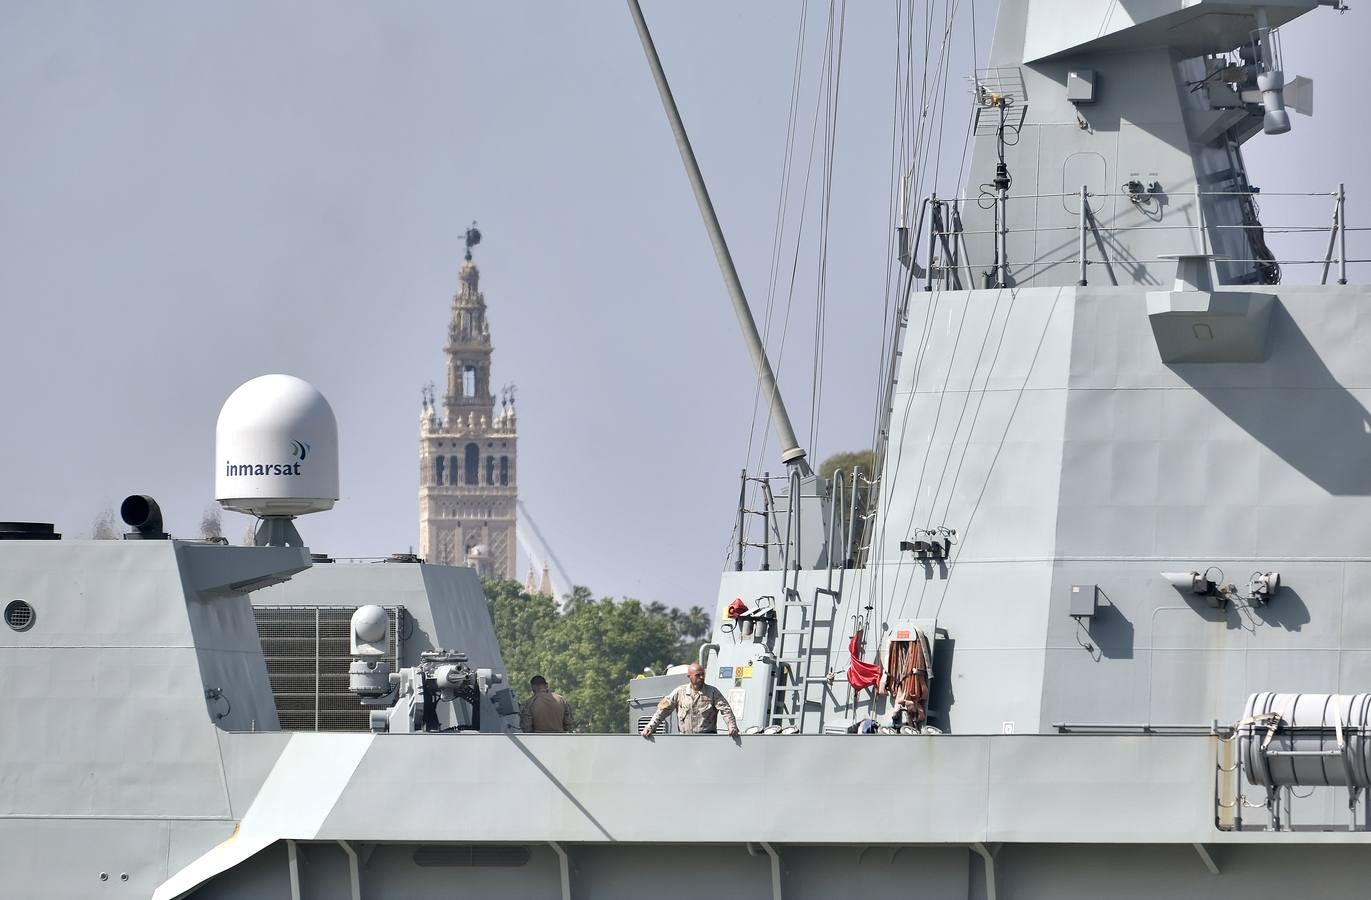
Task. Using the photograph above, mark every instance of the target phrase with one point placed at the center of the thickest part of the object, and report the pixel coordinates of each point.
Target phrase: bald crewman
(698, 707)
(545, 712)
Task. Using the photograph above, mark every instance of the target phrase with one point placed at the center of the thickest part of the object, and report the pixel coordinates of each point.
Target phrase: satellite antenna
(276, 455)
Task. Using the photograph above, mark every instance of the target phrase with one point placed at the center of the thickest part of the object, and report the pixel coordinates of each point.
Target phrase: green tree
(599, 646)
(853, 459)
(864, 462)
(522, 626)
(591, 649)
(579, 594)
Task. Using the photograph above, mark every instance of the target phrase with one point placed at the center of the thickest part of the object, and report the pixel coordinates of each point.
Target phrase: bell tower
(468, 494)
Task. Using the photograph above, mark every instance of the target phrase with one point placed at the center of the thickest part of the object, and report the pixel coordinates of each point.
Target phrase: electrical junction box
(1082, 602)
(1080, 86)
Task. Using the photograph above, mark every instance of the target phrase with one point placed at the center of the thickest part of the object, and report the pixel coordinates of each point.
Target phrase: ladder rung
(794, 631)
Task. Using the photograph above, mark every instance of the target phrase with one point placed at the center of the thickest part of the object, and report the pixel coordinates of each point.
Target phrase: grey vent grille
(18, 615)
(471, 855)
(661, 726)
(307, 652)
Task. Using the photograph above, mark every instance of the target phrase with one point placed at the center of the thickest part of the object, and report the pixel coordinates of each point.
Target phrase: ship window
(504, 470)
(469, 381)
(490, 470)
(473, 461)
(468, 855)
(438, 469)
(19, 615)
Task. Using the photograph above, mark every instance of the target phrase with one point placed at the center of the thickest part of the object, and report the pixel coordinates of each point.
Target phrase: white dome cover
(276, 449)
(370, 623)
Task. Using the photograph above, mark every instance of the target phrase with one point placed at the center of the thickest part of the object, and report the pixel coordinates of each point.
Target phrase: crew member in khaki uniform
(545, 712)
(698, 706)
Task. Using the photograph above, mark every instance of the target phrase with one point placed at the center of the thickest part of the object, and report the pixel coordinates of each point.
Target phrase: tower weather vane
(473, 237)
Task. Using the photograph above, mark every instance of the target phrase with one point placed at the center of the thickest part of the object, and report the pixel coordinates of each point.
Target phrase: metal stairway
(795, 703)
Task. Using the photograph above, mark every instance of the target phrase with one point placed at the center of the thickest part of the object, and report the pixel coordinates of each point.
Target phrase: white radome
(370, 628)
(276, 449)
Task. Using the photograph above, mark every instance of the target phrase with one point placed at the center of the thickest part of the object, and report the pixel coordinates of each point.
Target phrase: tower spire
(468, 345)
(468, 492)
(473, 237)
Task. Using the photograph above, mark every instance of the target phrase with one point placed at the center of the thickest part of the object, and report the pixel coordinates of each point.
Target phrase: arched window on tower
(504, 470)
(490, 470)
(469, 381)
(452, 470)
(473, 463)
(438, 469)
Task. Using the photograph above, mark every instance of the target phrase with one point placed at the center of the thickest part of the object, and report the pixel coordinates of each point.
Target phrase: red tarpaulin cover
(860, 674)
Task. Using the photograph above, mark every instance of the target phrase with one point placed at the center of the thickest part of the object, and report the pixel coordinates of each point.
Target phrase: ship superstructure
(1094, 627)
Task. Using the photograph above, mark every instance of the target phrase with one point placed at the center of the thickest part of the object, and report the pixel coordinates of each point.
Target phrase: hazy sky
(193, 194)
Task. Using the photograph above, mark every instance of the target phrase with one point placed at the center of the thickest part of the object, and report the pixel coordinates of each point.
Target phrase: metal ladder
(767, 514)
(794, 640)
(795, 650)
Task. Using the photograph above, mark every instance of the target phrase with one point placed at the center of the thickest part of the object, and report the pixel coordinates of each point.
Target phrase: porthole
(19, 615)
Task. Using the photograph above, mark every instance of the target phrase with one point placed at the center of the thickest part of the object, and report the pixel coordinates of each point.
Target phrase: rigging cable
(1009, 423)
(799, 231)
(919, 151)
(782, 205)
(825, 217)
(925, 139)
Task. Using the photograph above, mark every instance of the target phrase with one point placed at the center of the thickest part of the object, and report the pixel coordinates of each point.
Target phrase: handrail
(767, 514)
(837, 528)
(792, 533)
(742, 521)
(1076, 193)
(947, 235)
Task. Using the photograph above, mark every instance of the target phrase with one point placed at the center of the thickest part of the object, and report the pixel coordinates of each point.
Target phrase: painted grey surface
(880, 871)
(111, 679)
(446, 602)
(254, 790)
(1147, 122)
(445, 606)
(1043, 422)
(1043, 426)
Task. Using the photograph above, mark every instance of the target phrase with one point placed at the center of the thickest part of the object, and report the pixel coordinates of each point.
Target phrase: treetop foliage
(863, 459)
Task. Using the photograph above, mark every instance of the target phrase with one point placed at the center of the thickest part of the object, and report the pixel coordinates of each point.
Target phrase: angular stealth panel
(1210, 327)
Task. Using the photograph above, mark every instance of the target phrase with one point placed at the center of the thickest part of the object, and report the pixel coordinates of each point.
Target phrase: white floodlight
(1194, 582)
(1264, 585)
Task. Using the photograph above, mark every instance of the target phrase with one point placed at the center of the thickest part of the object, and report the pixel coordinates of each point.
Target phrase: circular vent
(18, 615)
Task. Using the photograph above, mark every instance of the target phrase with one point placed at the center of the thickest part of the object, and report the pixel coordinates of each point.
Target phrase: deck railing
(947, 257)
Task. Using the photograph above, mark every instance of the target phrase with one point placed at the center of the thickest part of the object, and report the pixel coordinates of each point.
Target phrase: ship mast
(792, 454)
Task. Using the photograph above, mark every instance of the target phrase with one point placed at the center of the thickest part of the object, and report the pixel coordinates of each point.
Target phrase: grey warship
(1091, 627)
